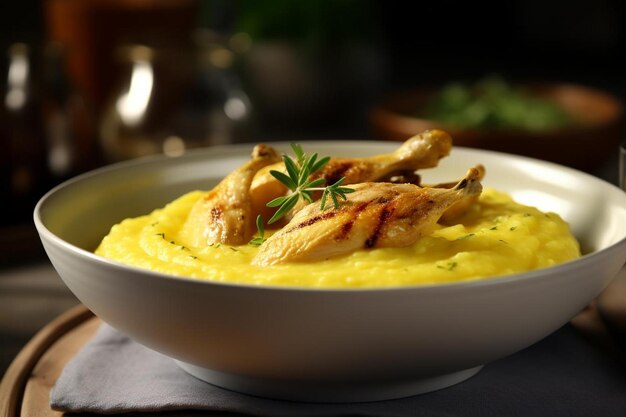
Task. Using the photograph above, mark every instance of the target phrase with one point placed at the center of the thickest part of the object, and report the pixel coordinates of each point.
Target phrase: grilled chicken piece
(410, 177)
(224, 214)
(459, 207)
(375, 215)
(421, 151)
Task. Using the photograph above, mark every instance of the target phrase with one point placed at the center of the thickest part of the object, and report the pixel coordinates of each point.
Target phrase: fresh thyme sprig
(297, 180)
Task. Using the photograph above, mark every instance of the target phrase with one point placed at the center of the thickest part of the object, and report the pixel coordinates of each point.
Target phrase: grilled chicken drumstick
(459, 207)
(224, 214)
(375, 215)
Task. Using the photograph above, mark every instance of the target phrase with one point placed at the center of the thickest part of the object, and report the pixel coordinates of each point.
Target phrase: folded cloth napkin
(560, 376)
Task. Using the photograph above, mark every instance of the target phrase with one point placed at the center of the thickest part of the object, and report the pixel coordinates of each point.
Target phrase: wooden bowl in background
(589, 143)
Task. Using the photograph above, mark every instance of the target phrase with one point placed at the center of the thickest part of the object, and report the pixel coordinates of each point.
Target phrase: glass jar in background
(215, 109)
(23, 163)
(170, 101)
(46, 128)
(69, 119)
(127, 128)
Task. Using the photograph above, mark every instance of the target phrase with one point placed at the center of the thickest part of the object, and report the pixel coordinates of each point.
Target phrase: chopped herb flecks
(450, 266)
(467, 236)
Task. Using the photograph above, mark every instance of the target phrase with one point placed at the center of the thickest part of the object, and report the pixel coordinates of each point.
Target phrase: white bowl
(323, 344)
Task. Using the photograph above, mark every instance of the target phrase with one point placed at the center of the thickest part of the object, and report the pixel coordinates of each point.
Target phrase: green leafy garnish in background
(494, 104)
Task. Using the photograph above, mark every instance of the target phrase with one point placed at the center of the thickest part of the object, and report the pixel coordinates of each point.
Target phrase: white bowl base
(325, 391)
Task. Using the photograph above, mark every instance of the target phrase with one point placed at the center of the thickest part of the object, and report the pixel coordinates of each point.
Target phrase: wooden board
(25, 387)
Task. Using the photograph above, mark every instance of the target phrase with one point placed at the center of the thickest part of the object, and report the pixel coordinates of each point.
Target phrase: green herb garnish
(450, 266)
(258, 241)
(297, 181)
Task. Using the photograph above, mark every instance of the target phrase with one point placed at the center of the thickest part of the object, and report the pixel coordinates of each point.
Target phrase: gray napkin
(559, 376)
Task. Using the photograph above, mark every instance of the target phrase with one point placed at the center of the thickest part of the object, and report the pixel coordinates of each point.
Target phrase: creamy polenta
(497, 236)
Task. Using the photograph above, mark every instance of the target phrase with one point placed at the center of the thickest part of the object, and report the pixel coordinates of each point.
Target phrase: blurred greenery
(492, 103)
(313, 23)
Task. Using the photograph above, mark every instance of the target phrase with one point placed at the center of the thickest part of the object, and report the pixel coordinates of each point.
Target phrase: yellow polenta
(496, 237)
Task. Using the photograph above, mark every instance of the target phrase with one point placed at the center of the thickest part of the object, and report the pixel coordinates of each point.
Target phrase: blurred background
(85, 83)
